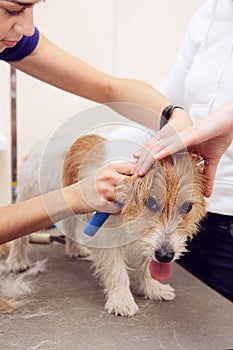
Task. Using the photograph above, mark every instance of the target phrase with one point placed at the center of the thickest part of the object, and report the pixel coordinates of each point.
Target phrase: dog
(161, 211)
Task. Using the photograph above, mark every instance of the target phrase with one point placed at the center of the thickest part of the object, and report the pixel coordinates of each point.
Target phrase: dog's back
(84, 156)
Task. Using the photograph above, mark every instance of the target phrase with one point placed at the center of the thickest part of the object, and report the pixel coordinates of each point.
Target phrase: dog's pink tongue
(160, 271)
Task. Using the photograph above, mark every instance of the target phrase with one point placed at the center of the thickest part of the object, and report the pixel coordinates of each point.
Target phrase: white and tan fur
(161, 210)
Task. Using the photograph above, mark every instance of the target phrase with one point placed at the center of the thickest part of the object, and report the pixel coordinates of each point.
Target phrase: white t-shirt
(202, 80)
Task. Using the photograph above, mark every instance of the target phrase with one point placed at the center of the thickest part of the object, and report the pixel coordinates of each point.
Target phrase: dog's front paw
(159, 291)
(121, 306)
(75, 250)
(18, 264)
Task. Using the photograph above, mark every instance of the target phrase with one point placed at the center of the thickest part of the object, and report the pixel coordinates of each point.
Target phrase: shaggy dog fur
(161, 211)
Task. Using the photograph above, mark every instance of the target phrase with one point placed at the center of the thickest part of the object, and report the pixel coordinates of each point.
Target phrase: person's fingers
(126, 168)
(145, 162)
(139, 152)
(147, 146)
(144, 157)
(112, 175)
(100, 196)
(113, 207)
(149, 154)
(166, 150)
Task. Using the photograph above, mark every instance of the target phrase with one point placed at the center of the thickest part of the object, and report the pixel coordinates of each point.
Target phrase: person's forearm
(22, 218)
(217, 123)
(37, 213)
(58, 68)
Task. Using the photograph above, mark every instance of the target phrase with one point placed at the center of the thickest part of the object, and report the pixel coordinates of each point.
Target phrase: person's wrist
(167, 113)
(180, 119)
(75, 199)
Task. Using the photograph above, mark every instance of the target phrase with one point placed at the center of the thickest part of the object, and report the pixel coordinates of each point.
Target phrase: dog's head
(164, 207)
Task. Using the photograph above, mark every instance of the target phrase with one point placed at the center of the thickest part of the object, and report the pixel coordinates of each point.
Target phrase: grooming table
(67, 313)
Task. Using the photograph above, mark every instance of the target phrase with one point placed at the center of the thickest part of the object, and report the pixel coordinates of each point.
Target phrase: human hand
(165, 142)
(210, 150)
(209, 138)
(146, 156)
(99, 191)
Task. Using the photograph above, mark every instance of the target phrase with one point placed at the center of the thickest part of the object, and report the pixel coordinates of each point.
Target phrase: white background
(125, 38)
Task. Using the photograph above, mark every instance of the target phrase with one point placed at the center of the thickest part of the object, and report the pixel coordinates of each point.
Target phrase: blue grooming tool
(97, 220)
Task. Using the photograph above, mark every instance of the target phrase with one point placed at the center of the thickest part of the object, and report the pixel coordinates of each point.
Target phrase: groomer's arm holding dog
(209, 138)
(28, 50)
(52, 65)
(93, 193)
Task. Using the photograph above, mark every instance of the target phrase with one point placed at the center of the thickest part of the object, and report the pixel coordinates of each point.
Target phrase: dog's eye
(152, 204)
(186, 207)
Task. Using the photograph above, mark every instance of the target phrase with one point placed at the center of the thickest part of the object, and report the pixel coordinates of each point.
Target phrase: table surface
(65, 311)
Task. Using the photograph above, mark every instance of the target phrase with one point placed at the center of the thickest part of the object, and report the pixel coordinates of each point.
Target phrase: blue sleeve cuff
(23, 48)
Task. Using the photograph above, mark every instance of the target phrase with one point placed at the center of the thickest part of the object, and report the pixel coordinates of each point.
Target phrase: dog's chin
(160, 271)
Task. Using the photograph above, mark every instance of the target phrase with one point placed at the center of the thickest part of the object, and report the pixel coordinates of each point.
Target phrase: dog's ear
(198, 168)
(124, 192)
(193, 167)
(132, 193)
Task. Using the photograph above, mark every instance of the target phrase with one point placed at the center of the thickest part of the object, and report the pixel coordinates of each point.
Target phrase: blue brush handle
(97, 220)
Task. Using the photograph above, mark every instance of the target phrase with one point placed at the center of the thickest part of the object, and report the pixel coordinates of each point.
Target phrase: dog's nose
(164, 255)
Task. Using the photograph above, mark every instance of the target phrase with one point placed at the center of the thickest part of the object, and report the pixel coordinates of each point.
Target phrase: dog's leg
(75, 250)
(151, 288)
(17, 260)
(70, 227)
(111, 268)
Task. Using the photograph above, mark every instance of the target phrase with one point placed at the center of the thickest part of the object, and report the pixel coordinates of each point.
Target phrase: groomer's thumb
(126, 168)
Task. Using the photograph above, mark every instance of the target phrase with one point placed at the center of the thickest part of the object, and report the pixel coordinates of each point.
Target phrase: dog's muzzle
(164, 255)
